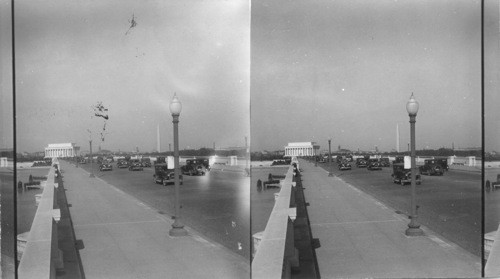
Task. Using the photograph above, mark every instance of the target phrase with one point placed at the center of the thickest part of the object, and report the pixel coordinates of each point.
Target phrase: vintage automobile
(146, 162)
(444, 163)
(160, 160)
(192, 170)
(432, 167)
(206, 163)
(121, 164)
(399, 159)
(135, 166)
(384, 162)
(403, 176)
(164, 175)
(344, 165)
(373, 164)
(105, 167)
(200, 169)
(361, 163)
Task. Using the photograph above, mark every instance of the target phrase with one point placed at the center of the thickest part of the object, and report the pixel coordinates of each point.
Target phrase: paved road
(262, 201)
(450, 205)
(216, 205)
(26, 205)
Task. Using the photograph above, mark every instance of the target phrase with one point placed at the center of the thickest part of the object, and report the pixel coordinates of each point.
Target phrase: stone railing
(276, 253)
(42, 256)
(492, 268)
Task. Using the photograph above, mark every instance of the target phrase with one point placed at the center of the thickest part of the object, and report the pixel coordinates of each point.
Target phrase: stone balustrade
(42, 256)
(276, 253)
(492, 267)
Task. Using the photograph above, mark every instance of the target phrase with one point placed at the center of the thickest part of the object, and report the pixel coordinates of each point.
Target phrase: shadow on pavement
(308, 265)
(66, 236)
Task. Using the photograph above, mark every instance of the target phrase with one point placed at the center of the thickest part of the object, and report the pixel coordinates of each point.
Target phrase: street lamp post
(413, 227)
(177, 227)
(247, 157)
(91, 171)
(330, 172)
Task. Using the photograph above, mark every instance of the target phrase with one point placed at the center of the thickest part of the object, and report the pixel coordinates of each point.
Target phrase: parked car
(373, 164)
(443, 163)
(105, 167)
(399, 159)
(164, 175)
(160, 160)
(191, 170)
(384, 162)
(146, 162)
(431, 167)
(121, 164)
(344, 165)
(135, 166)
(403, 176)
(201, 169)
(170, 179)
(361, 163)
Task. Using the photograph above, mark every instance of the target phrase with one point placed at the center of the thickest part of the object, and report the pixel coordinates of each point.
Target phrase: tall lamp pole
(413, 227)
(90, 143)
(91, 159)
(247, 151)
(175, 109)
(330, 172)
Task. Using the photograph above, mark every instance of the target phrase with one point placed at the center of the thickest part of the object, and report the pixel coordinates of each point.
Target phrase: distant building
(61, 150)
(301, 149)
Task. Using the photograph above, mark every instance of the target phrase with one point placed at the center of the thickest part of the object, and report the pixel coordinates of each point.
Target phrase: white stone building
(61, 150)
(301, 149)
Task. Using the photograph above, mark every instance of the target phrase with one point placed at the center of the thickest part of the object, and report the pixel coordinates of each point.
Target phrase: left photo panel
(132, 124)
(7, 150)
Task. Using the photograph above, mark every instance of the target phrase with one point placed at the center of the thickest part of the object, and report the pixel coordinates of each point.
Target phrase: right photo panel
(491, 138)
(367, 139)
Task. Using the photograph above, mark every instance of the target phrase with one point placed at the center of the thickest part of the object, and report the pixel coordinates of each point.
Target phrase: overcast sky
(70, 55)
(491, 76)
(346, 69)
(320, 69)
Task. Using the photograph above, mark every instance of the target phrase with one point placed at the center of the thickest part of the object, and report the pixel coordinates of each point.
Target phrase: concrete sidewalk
(362, 238)
(124, 238)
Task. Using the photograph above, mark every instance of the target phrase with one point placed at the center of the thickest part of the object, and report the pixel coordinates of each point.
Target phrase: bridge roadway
(216, 205)
(450, 205)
